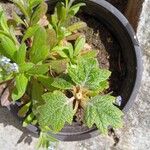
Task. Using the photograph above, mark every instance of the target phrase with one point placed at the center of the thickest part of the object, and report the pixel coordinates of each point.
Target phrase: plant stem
(76, 106)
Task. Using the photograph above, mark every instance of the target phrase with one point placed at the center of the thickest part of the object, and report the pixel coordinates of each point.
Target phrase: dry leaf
(5, 97)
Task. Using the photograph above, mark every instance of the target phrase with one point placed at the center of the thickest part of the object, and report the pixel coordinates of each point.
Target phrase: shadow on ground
(8, 119)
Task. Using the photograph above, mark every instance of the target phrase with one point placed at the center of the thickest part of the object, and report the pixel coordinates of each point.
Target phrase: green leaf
(74, 9)
(3, 21)
(24, 109)
(89, 54)
(4, 77)
(39, 12)
(39, 50)
(59, 66)
(52, 37)
(46, 81)
(21, 82)
(61, 11)
(62, 84)
(18, 19)
(56, 111)
(54, 20)
(21, 6)
(8, 46)
(25, 67)
(20, 55)
(79, 45)
(63, 51)
(45, 140)
(34, 3)
(88, 74)
(30, 32)
(28, 120)
(102, 86)
(37, 92)
(70, 50)
(101, 112)
(77, 26)
(38, 69)
(12, 35)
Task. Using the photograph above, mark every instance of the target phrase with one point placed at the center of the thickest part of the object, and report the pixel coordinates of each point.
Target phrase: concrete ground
(136, 132)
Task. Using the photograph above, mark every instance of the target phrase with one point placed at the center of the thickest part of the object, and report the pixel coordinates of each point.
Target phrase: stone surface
(136, 132)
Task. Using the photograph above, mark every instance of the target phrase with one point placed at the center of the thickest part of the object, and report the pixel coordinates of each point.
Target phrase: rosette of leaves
(53, 77)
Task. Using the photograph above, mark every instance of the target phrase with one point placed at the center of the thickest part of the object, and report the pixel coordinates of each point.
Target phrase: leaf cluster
(59, 76)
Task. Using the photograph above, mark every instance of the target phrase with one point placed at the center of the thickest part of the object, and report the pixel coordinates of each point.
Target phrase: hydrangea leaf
(61, 83)
(88, 74)
(56, 111)
(101, 111)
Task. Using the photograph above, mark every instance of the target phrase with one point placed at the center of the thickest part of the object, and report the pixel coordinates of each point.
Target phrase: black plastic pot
(120, 28)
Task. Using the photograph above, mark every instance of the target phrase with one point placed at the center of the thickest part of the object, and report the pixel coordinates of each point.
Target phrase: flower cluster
(5, 64)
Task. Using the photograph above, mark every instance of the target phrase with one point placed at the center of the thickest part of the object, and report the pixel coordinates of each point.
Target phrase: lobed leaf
(87, 73)
(56, 111)
(101, 111)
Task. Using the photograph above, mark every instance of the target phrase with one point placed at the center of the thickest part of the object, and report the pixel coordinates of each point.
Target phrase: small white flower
(118, 100)
(9, 67)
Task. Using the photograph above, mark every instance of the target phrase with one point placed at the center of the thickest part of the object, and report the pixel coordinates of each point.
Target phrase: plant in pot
(53, 72)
